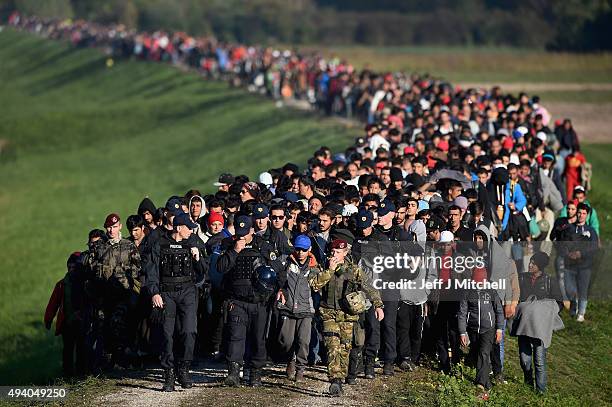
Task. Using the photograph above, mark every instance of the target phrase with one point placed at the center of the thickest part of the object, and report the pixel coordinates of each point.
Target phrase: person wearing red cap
(116, 267)
(338, 319)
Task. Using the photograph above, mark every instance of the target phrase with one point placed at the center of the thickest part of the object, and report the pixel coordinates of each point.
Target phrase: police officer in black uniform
(176, 265)
(246, 310)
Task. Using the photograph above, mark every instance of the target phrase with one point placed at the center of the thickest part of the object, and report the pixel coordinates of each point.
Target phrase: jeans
(577, 281)
(560, 267)
(532, 348)
(497, 353)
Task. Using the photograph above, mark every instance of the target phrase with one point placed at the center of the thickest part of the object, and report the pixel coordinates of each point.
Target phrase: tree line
(561, 25)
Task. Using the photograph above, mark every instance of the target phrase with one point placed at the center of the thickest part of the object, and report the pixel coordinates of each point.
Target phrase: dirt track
(142, 389)
(592, 121)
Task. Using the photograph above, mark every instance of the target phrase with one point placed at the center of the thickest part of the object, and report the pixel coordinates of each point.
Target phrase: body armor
(175, 264)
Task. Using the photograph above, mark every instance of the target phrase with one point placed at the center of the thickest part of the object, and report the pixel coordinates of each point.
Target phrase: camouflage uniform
(116, 266)
(339, 326)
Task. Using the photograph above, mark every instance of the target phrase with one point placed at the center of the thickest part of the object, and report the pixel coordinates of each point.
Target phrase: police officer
(115, 264)
(340, 284)
(246, 310)
(176, 265)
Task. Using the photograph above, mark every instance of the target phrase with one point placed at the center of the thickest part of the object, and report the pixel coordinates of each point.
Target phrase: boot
(335, 388)
(388, 368)
(184, 377)
(299, 375)
(255, 379)
(369, 367)
(168, 380)
(291, 370)
(354, 357)
(233, 376)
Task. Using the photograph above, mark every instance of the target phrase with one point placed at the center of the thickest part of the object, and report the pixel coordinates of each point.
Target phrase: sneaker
(483, 393)
(291, 370)
(299, 375)
(580, 318)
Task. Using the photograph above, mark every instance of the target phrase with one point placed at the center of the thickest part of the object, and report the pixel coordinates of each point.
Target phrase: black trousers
(180, 312)
(445, 331)
(388, 332)
(480, 348)
(246, 320)
(372, 334)
(74, 343)
(409, 331)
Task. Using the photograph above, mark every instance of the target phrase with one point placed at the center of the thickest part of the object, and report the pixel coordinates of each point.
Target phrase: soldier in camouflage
(340, 284)
(115, 264)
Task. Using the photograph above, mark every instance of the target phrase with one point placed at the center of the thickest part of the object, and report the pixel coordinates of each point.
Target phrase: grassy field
(85, 140)
(466, 64)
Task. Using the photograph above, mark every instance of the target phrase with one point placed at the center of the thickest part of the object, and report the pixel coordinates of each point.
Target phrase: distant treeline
(572, 25)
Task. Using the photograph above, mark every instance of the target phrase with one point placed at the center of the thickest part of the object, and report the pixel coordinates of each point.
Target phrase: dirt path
(142, 389)
(540, 86)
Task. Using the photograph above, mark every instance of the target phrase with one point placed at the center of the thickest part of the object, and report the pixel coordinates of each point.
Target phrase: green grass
(466, 64)
(85, 140)
(578, 364)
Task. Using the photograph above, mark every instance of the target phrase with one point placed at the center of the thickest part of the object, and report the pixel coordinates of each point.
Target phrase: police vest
(240, 279)
(175, 264)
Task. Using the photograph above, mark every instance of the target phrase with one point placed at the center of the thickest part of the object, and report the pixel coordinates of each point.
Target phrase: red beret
(339, 244)
(111, 220)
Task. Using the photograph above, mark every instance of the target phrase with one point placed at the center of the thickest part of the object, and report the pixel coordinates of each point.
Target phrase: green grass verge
(85, 140)
(579, 365)
(466, 64)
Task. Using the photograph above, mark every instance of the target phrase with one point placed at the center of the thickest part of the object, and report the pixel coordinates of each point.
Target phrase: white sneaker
(580, 318)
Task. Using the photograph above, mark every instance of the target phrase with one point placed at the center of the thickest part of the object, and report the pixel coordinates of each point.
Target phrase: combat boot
(389, 368)
(184, 377)
(168, 380)
(233, 376)
(354, 357)
(369, 367)
(335, 388)
(255, 378)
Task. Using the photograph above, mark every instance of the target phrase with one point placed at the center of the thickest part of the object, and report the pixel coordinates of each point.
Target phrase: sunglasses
(281, 217)
(299, 249)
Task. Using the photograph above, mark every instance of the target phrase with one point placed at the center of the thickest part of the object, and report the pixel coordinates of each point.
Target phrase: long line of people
(277, 262)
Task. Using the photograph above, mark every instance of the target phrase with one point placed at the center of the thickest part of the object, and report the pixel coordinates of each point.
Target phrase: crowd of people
(272, 269)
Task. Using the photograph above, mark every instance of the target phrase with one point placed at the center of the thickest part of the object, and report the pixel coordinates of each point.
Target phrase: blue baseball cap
(385, 207)
(183, 219)
(364, 219)
(302, 242)
(243, 225)
(260, 211)
(174, 206)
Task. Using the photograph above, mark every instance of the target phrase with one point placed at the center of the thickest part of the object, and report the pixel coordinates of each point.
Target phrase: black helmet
(265, 279)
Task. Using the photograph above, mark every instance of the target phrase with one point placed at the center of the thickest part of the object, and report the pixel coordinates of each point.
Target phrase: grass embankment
(85, 140)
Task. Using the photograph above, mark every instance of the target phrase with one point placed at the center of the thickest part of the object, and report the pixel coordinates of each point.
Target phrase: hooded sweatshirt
(146, 205)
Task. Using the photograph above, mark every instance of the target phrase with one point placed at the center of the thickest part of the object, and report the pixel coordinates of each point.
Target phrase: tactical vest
(240, 280)
(175, 264)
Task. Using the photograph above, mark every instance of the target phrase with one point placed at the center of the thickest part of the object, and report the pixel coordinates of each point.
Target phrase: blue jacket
(517, 197)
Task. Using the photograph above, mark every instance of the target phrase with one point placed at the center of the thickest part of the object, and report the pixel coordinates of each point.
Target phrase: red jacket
(56, 306)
